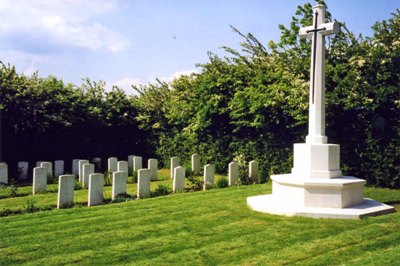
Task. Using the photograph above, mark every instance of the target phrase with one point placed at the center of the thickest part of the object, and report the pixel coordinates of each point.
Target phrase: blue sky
(133, 42)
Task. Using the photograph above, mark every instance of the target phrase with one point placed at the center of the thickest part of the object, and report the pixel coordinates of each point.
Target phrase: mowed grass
(214, 227)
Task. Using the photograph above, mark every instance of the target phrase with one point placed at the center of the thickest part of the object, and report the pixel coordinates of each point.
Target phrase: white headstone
(233, 173)
(97, 164)
(253, 171)
(3, 173)
(175, 162)
(123, 166)
(75, 167)
(66, 185)
(143, 188)
(119, 183)
(23, 170)
(137, 163)
(58, 168)
(209, 171)
(49, 167)
(95, 194)
(80, 168)
(39, 180)
(179, 179)
(87, 170)
(130, 162)
(153, 167)
(112, 164)
(196, 164)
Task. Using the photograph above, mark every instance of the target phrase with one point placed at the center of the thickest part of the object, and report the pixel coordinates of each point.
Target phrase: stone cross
(317, 33)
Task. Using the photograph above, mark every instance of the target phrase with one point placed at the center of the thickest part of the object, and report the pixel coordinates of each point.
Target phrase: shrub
(195, 182)
(161, 190)
(222, 182)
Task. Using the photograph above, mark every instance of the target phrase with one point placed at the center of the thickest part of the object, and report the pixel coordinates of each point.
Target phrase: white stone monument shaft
(317, 32)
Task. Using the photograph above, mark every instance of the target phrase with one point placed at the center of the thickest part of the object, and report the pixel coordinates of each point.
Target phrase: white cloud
(178, 74)
(126, 84)
(64, 22)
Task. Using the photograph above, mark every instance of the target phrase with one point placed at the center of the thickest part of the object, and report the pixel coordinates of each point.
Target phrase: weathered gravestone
(123, 166)
(316, 187)
(3, 173)
(112, 164)
(196, 164)
(23, 170)
(75, 167)
(209, 172)
(80, 167)
(143, 188)
(49, 167)
(119, 183)
(130, 163)
(253, 171)
(179, 179)
(66, 185)
(152, 165)
(95, 193)
(87, 170)
(58, 168)
(175, 162)
(233, 173)
(137, 163)
(39, 184)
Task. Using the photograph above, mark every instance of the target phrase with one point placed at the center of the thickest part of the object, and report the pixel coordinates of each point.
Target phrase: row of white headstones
(94, 182)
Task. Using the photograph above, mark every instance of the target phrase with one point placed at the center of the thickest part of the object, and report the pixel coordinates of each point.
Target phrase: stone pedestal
(316, 188)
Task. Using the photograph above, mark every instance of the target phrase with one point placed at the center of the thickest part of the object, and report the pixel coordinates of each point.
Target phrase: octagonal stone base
(340, 197)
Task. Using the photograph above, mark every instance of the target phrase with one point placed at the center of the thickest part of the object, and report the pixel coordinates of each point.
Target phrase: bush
(222, 182)
(195, 183)
(161, 190)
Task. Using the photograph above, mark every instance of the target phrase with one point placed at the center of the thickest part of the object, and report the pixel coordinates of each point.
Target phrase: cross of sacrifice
(317, 32)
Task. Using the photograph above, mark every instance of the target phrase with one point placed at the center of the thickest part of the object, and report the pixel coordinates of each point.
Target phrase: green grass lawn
(214, 227)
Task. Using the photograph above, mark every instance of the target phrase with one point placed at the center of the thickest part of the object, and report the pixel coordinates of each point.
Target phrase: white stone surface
(123, 166)
(49, 167)
(39, 184)
(209, 172)
(143, 188)
(175, 162)
(137, 163)
(119, 183)
(80, 168)
(316, 187)
(196, 164)
(58, 168)
(95, 193)
(253, 171)
(270, 204)
(179, 179)
(233, 173)
(87, 170)
(153, 167)
(23, 170)
(130, 162)
(66, 185)
(75, 167)
(112, 164)
(3, 173)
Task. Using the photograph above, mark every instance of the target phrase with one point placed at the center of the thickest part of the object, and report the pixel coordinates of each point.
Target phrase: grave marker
(209, 171)
(112, 164)
(95, 194)
(39, 184)
(3, 173)
(87, 170)
(175, 162)
(143, 188)
(137, 163)
(49, 167)
(80, 168)
(123, 166)
(153, 167)
(233, 173)
(66, 185)
(58, 168)
(196, 164)
(23, 170)
(75, 167)
(179, 179)
(253, 171)
(119, 183)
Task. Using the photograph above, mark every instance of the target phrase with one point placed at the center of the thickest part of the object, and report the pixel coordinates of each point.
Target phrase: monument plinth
(315, 187)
